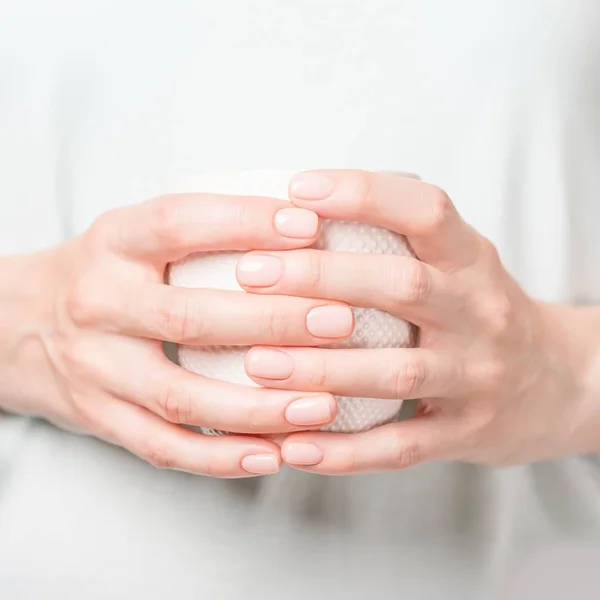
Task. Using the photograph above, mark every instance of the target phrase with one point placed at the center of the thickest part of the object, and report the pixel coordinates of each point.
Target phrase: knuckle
(216, 465)
(243, 217)
(408, 379)
(311, 270)
(84, 303)
(102, 229)
(497, 314)
(77, 304)
(490, 374)
(210, 468)
(176, 404)
(178, 320)
(320, 377)
(405, 454)
(167, 218)
(158, 454)
(109, 233)
(276, 324)
(489, 252)
(408, 456)
(255, 421)
(438, 207)
(410, 282)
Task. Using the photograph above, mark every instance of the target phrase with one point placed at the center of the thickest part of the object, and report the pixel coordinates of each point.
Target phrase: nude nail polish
(311, 411)
(296, 223)
(259, 270)
(269, 364)
(302, 453)
(311, 186)
(260, 464)
(332, 321)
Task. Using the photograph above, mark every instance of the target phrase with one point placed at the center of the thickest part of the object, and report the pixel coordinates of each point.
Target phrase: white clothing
(107, 103)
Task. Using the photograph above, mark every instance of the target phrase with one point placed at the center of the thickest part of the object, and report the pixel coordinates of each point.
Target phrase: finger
(216, 317)
(390, 447)
(184, 397)
(145, 377)
(403, 286)
(421, 211)
(171, 227)
(168, 446)
(397, 373)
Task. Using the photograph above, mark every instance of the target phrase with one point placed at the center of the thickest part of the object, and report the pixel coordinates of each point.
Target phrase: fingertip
(301, 453)
(261, 464)
(334, 321)
(311, 185)
(259, 270)
(268, 363)
(297, 223)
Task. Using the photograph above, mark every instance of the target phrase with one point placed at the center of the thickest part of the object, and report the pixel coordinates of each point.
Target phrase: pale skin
(500, 377)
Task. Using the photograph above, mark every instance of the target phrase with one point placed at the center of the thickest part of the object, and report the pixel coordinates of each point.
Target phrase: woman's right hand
(87, 353)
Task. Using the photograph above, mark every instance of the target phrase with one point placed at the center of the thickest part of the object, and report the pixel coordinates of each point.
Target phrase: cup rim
(407, 174)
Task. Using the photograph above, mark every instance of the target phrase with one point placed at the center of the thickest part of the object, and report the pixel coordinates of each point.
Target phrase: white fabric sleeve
(33, 146)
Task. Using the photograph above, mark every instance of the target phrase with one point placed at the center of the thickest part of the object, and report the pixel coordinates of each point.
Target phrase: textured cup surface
(217, 270)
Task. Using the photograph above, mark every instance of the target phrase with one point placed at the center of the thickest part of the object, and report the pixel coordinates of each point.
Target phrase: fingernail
(260, 464)
(300, 453)
(311, 186)
(316, 410)
(259, 270)
(296, 222)
(270, 364)
(330, 321)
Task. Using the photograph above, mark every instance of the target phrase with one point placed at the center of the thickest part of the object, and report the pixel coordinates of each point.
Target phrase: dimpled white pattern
(374, 328)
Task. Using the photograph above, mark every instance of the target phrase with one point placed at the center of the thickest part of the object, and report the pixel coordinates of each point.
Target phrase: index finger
(170, 227)
(422, 212)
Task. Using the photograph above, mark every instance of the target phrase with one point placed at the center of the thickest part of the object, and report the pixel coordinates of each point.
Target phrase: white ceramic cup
(217, 270)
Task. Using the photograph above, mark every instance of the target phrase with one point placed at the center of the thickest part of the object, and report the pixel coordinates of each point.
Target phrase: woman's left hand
(500, 378)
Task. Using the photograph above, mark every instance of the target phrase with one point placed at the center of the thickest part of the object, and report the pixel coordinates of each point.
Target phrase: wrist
(26, 314)
(573, 336)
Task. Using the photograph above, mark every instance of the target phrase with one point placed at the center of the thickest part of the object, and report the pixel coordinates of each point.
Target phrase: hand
(498, 376)
(83, 339)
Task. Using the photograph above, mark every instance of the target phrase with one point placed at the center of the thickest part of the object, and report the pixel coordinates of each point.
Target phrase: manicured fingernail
(333, 321)
(260, 464)
(316, 410)
(259, 270)
(269, 364)
(311, 186)
(296, 222)
(300, 453)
